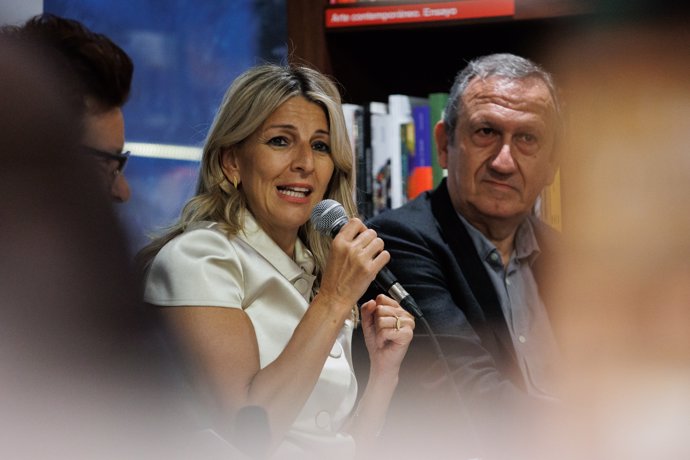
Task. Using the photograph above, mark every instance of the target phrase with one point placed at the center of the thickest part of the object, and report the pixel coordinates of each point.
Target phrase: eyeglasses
(121, 158)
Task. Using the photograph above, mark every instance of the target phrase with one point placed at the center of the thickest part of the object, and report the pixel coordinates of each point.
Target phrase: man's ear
(441, 144)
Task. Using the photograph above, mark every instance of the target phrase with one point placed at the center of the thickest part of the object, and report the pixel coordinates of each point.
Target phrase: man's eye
(485, 131)
(278, 141)
(321, 147)
(484, 136)
(112, 169)
(529, 138)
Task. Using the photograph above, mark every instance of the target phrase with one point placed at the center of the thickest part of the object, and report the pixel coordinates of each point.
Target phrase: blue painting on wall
(185, 53)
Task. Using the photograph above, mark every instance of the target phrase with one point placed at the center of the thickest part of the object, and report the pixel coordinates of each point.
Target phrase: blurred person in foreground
(81, 376)
(623, 314)
(263, 305)
(99, 76)
(473, 255)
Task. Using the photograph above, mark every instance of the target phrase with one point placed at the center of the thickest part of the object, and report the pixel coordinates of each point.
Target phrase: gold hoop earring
(234, 181)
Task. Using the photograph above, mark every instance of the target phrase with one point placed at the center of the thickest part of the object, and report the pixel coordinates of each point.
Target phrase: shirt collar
(526, 246)
(302, 265)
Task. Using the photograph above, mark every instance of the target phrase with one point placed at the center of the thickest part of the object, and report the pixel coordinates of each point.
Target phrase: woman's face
(284, 168)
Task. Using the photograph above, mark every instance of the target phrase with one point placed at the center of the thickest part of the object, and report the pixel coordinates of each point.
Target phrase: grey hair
(503, 65)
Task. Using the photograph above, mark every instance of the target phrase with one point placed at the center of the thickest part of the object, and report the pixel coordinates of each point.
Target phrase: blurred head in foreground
(624, 309)
(79, 374)
(97, 84)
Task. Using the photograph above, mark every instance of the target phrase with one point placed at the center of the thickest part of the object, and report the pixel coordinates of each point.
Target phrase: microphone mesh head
(328, 215)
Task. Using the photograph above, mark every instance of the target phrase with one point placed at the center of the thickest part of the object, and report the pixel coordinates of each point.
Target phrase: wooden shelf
(372, 62)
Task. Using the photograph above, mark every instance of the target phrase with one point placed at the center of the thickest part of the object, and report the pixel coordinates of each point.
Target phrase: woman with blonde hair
(262, 304)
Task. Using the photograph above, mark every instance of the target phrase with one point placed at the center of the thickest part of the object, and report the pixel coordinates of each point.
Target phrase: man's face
(105, 131)
(501, 157)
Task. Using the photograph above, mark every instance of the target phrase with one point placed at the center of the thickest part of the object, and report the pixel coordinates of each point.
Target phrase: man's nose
(504, 162)
(120, 189)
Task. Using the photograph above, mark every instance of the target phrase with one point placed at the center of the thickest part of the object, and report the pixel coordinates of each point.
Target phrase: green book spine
(437, 102)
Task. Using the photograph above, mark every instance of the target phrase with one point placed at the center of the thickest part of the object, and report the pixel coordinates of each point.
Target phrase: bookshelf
(372, 62)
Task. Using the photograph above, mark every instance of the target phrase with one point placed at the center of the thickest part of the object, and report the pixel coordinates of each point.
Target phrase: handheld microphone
(328, 217)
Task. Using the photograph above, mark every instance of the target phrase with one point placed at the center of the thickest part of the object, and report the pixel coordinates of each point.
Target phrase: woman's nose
(304, 158)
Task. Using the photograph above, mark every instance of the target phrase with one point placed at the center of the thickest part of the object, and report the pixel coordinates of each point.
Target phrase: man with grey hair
(471, 252)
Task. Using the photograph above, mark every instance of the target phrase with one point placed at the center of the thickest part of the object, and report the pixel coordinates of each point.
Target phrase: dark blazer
(434, 258)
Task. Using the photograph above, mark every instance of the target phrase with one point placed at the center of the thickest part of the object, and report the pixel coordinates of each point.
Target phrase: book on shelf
(366, 200)
(437, 104)
(399, 112)
(358, 123)
(407, 151)
(380, 161)
(420, 174)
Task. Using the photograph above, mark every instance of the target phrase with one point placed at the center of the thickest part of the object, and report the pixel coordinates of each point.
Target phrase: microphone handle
(387, 282)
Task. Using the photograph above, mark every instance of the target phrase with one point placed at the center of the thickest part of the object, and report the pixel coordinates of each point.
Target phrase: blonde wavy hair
(249, 101)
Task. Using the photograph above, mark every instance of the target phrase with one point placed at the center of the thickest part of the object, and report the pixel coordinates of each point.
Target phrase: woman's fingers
(386, 316)
(357, 255)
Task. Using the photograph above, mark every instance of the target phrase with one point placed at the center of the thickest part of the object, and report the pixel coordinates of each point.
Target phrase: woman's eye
(278, 141)
(321, 147)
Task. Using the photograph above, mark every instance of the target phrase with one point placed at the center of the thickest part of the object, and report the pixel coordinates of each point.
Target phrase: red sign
(419, 12)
